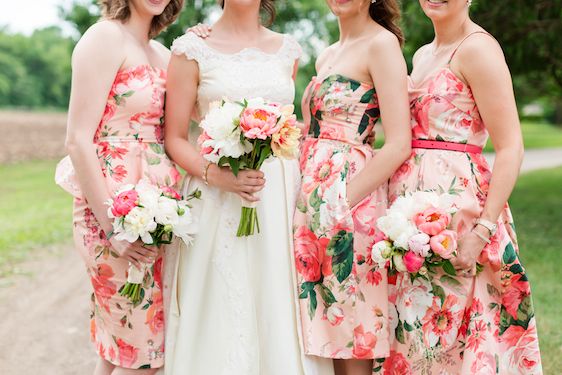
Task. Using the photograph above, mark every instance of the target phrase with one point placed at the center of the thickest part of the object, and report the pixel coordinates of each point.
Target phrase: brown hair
(120, 10)
(387, 14)
(267, 6)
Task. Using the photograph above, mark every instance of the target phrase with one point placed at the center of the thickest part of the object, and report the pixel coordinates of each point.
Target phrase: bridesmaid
(477, 323)
(363, 76)
(115, 138)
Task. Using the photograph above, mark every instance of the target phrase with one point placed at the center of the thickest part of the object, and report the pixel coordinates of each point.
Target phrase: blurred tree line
(35, 70)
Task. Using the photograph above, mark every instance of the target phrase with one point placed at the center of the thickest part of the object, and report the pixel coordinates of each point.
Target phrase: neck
(240, 20)
(139, 25)
(352, 27)
(451, 30)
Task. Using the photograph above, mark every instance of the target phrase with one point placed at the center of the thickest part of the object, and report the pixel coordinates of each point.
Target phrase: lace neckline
(245, 50)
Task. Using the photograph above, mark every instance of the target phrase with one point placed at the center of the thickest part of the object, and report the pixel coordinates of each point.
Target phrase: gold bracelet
(206, 172)
(487, 240)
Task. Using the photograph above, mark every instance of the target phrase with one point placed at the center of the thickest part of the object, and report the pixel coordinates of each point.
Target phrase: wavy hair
(387, 14)
(120, 10)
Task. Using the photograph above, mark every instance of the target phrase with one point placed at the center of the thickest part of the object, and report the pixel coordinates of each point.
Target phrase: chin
(440, 9)
(342, 8)
(154, 7)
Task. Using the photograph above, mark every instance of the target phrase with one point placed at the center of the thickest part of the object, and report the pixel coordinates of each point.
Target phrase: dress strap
(465, 38)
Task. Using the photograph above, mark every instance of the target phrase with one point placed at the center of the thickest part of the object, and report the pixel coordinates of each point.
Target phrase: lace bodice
(248, 73)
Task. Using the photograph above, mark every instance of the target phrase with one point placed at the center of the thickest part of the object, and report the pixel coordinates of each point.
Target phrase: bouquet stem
(248, 222)
(133, 289)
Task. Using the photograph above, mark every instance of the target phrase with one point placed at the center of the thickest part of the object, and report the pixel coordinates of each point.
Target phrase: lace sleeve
(189, 45)
(292, 49)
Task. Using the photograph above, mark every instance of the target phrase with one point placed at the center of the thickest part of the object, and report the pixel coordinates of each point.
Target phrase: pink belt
(450, 146)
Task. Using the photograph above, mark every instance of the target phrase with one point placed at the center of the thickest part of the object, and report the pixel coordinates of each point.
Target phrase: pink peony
(258, 123)
(413, 262)
(419, 244)
(127, 354)
(124, 203)
(171, 193)
(444, 244)
(397, 364)
(363, 343)
(432, 221)
(309, 254)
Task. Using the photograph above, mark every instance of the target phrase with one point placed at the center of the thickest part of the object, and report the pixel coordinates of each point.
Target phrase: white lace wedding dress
(232, 301)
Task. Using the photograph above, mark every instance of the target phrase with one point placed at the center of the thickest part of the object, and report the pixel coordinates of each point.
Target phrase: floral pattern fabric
(343, 295)
(453, 325)
(129, 147)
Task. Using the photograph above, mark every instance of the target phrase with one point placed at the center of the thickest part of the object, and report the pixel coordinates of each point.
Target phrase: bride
(232, 300)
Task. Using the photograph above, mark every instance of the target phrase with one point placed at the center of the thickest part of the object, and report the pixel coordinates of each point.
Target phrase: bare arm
(95, 62)
(490, 81)
(181, 97)
(389, 73)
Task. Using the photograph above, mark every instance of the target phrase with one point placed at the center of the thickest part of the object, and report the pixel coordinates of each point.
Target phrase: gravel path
(44, 309)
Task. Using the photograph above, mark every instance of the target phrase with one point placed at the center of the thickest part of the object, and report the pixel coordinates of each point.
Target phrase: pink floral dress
(343, 295)
(482, 325)
(129, 147)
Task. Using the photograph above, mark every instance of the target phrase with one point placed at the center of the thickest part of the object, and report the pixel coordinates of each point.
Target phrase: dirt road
(45, 324)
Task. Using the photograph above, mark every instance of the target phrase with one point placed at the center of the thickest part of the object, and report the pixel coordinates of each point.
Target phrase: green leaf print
(525, 311)
(315, 201)
(505, 320)
(438, 291)
(399, 333)
(408, 327)
(315, 125)
(154, 160)
(367, 97)
(301, 206)
(365, 120)
(157, 148)
(315, 222)
(509, 255)
(516, 269)
(313, 304)
(449, 268)
(327, 295)
(340, 249)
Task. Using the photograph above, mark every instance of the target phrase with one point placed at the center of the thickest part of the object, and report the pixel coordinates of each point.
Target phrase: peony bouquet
(243, 135)
(153, 215)
(418, 238)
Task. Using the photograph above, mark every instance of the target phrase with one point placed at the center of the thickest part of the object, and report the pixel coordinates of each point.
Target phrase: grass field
(38, 213)
(34, 211)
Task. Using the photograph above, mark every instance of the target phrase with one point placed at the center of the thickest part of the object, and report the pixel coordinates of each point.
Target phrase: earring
(469, 2)
(373, 1)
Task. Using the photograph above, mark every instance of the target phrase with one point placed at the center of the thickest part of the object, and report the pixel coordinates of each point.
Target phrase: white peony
(186, 225)
(380, 253)
(397, 227)
(224, 134)
(261, 103)
(167, 213)
(139, 222)
(149, 194)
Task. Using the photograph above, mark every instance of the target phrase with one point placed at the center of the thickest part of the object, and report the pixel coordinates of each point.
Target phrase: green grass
(537, 208)
(34, 211)
(38, 213)
(535, 135)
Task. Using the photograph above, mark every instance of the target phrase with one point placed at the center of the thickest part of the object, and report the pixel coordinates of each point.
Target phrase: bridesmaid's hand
(201, 30)
(247, 182)
(135, 252)
(470, 247)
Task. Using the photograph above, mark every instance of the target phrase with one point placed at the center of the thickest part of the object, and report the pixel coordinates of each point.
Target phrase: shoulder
(481, 44)
(322, 56)
(420, 53)
(162, 51)
(103, 40)
(382, 39)
(188, 45)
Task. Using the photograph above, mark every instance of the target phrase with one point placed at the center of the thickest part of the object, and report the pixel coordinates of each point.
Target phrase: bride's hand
(247, 182)
(201, 30)
(470, 247)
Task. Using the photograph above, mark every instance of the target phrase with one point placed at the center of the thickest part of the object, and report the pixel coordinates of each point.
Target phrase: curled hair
(387, 14)
(120, 10)
(267, 7)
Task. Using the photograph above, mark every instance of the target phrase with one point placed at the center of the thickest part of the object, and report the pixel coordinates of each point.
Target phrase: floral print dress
(482, 325)
(343, 295)
(129, 147)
